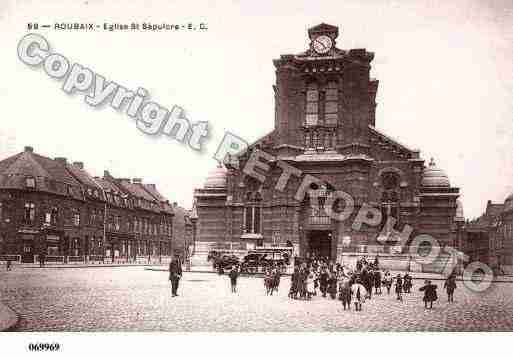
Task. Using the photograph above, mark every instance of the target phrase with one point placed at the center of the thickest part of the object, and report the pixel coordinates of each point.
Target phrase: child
(387, 281)
(377, 281)
(429, 294)
(332, 285)
(358, 294)
(267, 281)
(310, 286)
(234, 273)
(323, 281)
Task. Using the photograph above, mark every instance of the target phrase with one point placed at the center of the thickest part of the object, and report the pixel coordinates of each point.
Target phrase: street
(134, 299)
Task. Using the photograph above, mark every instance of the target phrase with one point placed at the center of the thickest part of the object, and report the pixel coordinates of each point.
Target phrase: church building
(325, 103)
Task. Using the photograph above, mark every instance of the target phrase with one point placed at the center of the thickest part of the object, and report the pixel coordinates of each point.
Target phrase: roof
(323, 28)
(82, 176)
(494, 210)
(390, 139)
(434, 177)
(50, 175)
(489, 218)
(87, 181)
(164, 202)
(137, 190)
(216, 178)
(109, 185)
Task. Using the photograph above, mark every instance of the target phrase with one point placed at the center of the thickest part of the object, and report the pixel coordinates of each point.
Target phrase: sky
(445, 72)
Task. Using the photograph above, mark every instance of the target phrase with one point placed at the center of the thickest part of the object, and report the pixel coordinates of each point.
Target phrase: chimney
(61, 160)
(106, 174)
(151, 185)
(29, 149)
(79, 165)
(136, 180)
(175, 204)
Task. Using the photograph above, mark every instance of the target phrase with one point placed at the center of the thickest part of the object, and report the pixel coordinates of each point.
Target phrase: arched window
(252, 213)
(321, 104)
(312, 105)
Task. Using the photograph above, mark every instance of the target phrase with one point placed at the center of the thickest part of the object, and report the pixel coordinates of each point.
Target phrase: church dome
(434, 176)
(216, 178)
(508, 202)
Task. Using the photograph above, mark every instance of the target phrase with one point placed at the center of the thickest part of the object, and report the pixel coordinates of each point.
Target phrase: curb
(8, 318)
(92, 266)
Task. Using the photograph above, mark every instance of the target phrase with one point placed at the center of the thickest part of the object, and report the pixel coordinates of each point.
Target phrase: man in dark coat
(294, 285)
(175, 273)
(407, 283)
(429, 294)
(323, 281)
(367, 280)
(450, 286)
(234, 274)
(399, 287)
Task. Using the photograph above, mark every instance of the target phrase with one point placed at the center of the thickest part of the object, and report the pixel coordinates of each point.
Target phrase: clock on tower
(322, 38)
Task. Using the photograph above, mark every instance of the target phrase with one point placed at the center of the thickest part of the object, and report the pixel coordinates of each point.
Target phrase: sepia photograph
(298, 170)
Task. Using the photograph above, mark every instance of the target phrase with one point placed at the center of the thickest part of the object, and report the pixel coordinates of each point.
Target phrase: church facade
(325, 127)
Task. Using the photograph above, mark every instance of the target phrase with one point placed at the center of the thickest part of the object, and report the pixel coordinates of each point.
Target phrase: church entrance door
(319, 244)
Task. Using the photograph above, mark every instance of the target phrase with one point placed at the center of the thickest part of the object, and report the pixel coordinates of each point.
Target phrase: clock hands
(320, 43)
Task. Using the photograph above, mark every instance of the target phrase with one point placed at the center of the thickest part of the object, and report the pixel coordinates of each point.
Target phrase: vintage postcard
(238, 166)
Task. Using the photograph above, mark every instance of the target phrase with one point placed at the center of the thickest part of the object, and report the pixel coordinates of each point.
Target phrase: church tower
(324, 97)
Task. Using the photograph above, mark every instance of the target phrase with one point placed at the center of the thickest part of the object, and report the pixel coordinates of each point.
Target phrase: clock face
(322, 44)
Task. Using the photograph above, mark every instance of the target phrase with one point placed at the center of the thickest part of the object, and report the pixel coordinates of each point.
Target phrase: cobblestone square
(134, 299)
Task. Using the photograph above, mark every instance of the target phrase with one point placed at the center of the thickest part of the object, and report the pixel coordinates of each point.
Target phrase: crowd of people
(353, 286)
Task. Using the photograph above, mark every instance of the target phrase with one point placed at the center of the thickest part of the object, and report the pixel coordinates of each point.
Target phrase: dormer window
(30, 182)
